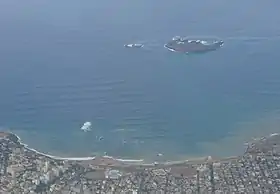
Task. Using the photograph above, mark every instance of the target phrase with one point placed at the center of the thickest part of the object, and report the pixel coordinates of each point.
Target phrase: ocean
(63, 63)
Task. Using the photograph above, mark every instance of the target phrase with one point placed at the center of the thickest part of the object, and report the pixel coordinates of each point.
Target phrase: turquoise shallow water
(63, 63)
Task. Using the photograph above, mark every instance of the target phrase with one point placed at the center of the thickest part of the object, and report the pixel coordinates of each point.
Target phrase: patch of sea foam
(124, 130)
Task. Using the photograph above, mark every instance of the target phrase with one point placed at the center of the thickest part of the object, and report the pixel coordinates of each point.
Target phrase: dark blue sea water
(63, 63)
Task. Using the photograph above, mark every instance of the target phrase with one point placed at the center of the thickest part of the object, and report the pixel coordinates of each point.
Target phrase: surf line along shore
(16, 139)
(102, 160)
(260, 143)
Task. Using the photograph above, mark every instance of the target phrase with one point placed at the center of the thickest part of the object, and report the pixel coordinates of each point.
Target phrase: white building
(56, 171)
(36, 181)
(113, 174)
(46, 167)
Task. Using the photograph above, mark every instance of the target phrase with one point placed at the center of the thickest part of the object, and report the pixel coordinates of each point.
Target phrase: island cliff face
(192, 46)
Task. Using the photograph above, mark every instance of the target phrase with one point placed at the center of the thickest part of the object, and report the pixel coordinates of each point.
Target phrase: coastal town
(24, 170)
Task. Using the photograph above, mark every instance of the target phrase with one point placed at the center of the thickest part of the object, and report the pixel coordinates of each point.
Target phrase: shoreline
(128, 161)
(120, 160)
(72, 158)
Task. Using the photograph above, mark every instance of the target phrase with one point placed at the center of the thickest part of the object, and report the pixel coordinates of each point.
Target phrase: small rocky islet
(186, 45)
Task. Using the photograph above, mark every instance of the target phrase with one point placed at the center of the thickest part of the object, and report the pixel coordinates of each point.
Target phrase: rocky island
(25, 170)
(185, 45)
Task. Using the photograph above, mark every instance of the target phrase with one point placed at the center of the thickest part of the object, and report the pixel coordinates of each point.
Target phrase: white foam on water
(86, 126)
(172, 50)
(124, 130)
(274, 134)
